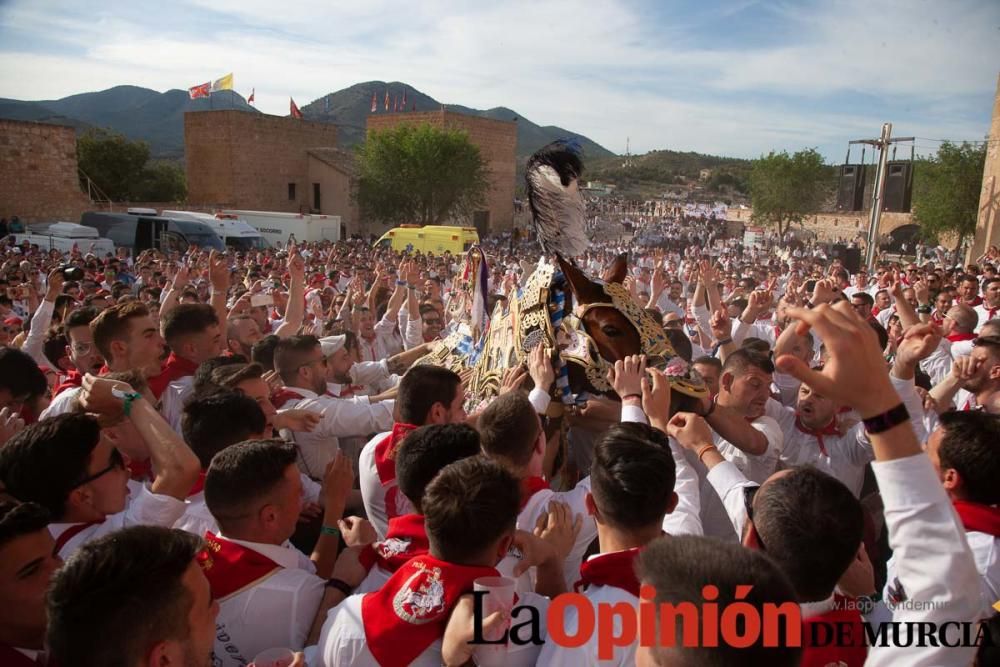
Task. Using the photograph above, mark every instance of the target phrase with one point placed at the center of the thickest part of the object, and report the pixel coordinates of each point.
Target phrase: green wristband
(329, 530)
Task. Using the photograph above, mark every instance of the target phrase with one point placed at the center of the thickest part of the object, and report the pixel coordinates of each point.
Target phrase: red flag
(250, 99)
(202, 90)
(294, 109)
(374, 103)
(386, 99)
(395, 103)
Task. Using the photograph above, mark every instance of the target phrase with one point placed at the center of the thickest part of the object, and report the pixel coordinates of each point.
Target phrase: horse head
(613, 334)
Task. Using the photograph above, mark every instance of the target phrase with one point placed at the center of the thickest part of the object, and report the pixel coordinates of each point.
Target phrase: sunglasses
(116, 461)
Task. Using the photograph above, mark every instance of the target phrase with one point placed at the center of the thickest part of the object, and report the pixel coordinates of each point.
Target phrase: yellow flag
(223, 83)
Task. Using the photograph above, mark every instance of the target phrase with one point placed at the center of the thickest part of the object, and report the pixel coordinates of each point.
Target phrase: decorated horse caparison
(587, 324)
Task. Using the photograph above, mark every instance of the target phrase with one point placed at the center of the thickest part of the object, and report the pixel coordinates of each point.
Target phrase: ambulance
(436, 239)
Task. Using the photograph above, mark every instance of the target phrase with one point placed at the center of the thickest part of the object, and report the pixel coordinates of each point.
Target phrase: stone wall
(237, 159)
(497, 143)
(838, 226)
(335, 194)
(38, 173)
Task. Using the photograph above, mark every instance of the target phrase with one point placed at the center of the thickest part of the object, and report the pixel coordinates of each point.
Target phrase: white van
(63, 236)
(235, 233)
(278, 227)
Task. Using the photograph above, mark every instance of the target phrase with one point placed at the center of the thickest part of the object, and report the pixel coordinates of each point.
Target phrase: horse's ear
(584, 289)
(617, 270)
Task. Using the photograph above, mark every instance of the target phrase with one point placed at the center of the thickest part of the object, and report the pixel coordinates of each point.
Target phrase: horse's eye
(611, 331)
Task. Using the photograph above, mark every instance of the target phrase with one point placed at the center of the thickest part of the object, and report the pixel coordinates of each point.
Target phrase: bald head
(965, 318)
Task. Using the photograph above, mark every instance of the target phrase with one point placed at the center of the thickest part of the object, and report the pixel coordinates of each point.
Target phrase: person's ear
(438, 414)
(952, 480)
(726, 381)
(167, 653)
(119, 348)
(504, 546)
(268, 515)
(588, 502)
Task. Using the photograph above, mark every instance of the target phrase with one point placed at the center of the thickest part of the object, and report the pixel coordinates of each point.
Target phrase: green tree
(121, 169)
(946, 190)
(785, 188)
(420, 174)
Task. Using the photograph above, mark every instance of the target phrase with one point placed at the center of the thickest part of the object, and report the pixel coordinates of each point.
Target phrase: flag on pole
(326, 103)
(294, 109)
(402, 107)
(202, 90)
(374, 103)
(223, 83)
(395, 103)
(386, 99)
(250, 99)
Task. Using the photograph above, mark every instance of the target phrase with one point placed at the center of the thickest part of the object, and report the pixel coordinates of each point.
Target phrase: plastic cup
(274, 657)
(499, 596)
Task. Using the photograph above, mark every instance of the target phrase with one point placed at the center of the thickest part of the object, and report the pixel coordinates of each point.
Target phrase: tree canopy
(946, 191)
(785, 188)
(122, 171)
(420, 174)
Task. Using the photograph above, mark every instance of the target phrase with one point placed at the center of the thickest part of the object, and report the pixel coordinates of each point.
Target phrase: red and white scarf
(231, 568)
(385, 465)
(173, 369)
(611, 569)
(978, 517)
(411, 610)
(405, 538)
(818, 433)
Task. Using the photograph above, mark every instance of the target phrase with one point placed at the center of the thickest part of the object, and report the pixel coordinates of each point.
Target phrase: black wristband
(341, 586)
(887, 420)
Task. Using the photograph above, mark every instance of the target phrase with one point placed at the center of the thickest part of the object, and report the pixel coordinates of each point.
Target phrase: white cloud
(605, 69)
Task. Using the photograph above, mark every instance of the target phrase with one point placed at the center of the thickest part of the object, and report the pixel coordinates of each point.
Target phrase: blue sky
(733, 78)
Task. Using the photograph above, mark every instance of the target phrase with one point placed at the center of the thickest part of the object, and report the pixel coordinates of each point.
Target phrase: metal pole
(876, 214)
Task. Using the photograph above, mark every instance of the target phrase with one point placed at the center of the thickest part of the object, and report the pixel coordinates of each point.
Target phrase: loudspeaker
(898, 187)
(851, 187)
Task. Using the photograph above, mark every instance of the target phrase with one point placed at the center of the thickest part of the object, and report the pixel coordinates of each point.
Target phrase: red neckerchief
(990, 312)
(348, 390)
(956, 337)
(73, 378)
(978, 517)
(411, 610)
(174, 368)
(612, 569)
(818, 433)
(199, 484)
(11, 657)
(529, 487)
(385, 451)
(284, 395)
(975, 302)
(140, 470)
(72, 532)
(852, 654)
(231, 568)
(405, 538)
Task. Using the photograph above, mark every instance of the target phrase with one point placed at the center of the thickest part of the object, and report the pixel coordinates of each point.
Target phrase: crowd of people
(205, 456)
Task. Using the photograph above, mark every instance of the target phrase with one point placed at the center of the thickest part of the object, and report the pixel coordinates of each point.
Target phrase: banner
(202, 90)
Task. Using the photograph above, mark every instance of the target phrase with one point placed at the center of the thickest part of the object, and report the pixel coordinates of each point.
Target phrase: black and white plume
(557, 206)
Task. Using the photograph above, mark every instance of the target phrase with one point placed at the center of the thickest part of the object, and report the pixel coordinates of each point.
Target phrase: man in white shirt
(72, 468)
(269, 593)
(302, 362)
(741, 431)
(632, 488)
(427, 395)
(990, 307)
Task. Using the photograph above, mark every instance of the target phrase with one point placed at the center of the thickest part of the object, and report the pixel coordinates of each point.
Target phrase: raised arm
(295, 310)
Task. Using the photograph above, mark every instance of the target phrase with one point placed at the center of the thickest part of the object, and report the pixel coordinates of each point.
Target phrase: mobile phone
(261, 300)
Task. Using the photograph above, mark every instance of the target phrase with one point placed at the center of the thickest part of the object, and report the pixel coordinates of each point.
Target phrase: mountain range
(158, 118)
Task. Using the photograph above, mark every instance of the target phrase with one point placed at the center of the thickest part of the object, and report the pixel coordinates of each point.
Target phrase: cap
(330, 344)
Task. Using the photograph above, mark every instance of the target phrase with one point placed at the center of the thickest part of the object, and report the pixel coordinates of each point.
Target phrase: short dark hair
(739, 361)
(263, 351)
(969, 446)
(113, 323)
(187, 319)
(811, 525)
(866, 297)
(203, 382)
(245, 473)
(421, 388)
(678, 567)
(81, 317)
(20, 374)
(54, 347)
(468, 506)
(46, 461)
(291, 353)
(715, 362)
(18, 519)
(118, 596)
(213, 422)
(632, 476)
(427, 450)
(509, 429)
